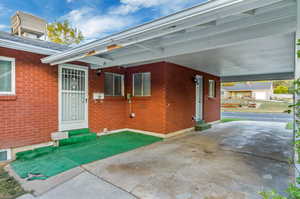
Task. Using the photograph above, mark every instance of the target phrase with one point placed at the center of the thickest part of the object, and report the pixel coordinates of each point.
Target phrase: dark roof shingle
(33, 42)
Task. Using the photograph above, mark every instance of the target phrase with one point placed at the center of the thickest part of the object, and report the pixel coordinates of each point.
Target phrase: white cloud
(163, 6)
(2, 26)
(94, 24)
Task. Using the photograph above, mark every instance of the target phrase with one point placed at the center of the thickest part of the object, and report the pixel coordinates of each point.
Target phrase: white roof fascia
(26, 47)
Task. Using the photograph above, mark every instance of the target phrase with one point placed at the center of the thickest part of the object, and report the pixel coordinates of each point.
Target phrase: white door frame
(199, 97)
(83, 124)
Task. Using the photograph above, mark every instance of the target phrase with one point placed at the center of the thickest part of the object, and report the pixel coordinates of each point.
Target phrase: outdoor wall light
(98, 72)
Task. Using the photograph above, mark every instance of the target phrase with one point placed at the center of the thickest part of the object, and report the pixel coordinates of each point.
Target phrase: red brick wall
(181, 94)
(113, 112)
(150, 111)
(29, 116)
(108, 113)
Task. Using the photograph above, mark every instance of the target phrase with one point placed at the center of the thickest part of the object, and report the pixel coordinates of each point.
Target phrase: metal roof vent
(27, 25)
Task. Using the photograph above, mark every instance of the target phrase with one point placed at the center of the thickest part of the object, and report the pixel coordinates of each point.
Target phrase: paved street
(274, 117)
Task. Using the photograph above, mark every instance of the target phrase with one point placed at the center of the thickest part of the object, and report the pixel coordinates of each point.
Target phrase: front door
(73, 97)
(199, 97)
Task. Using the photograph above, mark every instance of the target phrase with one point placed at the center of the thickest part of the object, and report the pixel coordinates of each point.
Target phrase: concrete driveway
(231, 160)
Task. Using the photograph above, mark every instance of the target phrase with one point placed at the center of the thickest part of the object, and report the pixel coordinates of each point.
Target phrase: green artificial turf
(289, 125)
(230, 120)
(67, 157)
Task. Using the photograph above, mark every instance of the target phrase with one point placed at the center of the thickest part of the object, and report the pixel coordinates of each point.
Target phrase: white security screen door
(73, 97)
(199, 97)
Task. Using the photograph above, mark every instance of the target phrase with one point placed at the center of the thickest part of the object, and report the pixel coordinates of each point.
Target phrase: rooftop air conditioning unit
(27, 25)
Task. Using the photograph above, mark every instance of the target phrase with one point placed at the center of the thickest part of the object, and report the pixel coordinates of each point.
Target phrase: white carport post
(297, 75)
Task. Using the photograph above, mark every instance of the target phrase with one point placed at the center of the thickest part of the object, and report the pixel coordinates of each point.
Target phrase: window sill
(8, 97)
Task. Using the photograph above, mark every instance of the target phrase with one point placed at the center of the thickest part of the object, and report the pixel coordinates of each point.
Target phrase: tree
(281, 90)
(298, 52)
(63, 33)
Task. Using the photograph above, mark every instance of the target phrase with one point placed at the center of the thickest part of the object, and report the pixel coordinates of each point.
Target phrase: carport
(238, 40)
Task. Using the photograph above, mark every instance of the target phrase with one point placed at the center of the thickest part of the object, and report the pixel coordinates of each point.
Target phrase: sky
(95, 18)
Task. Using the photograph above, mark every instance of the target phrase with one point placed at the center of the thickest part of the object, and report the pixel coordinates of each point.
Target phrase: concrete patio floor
(231, 160)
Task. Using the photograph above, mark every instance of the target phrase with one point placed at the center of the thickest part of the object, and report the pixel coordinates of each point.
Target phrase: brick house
(159, 77)
(37, 99)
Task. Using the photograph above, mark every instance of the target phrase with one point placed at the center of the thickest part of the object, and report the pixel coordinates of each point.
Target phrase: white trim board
(149, 132)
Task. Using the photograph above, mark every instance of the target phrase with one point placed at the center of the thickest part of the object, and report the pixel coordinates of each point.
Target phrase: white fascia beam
(280, 27)
(198, 15)
(86, 59)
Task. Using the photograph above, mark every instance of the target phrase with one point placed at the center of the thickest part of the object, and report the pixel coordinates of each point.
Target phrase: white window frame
(13, 75)
(8, 151)
(213, 93)
(113, 86)
(142, 91)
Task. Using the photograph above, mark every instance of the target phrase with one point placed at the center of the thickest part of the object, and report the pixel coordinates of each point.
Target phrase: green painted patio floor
(70, 156)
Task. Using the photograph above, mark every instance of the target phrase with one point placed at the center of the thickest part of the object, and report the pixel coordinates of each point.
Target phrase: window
(212, 88)
(7, 75)
(142, 84)
(113, 84)
(5, 154)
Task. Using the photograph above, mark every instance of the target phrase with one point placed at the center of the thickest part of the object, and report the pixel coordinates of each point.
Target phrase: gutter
(27, 47)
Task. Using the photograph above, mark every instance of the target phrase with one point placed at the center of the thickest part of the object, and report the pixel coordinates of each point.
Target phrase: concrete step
(76, 132)
(86, 137)
(199, 122)
(202, 127)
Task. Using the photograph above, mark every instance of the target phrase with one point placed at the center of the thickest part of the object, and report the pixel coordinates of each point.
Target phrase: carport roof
(245, 39)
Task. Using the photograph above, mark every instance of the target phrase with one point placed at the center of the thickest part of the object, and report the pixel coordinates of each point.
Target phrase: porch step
(202, 127)
(199, 122)
(79, 138)
(31, 154)
(78, 132)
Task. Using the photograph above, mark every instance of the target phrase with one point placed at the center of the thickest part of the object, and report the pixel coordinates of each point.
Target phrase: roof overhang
(26, 47)
(222, 37)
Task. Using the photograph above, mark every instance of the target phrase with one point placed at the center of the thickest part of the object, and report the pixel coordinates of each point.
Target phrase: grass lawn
(289, 126)
(264, 107)
(9, 187)
(230, 120)
(63, 158)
